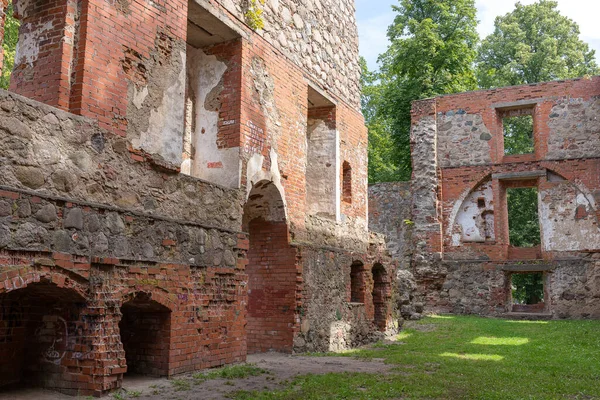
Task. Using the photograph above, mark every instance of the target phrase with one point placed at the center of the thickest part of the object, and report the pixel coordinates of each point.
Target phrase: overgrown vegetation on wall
(254, 13)
(435, 50)
(9, 46)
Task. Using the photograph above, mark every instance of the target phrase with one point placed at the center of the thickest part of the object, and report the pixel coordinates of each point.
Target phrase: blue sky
(374, 16)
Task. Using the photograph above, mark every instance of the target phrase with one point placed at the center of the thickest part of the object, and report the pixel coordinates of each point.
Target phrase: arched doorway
(271, 272)
(146, 335)
(42, 338)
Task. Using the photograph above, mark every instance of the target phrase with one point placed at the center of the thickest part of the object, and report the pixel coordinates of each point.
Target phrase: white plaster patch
(209, 162)
(255, 174)
(472, 217)
(139, 96)
(323, 170)
(165, 131)
(28, 47)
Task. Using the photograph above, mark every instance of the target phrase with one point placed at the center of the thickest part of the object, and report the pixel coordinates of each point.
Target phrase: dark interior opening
(42, 340)
(357, 283)
(145, 333)
(380, 294)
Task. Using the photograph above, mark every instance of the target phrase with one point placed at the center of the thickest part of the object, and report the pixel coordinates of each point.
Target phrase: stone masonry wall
(320, 36)
(67, 222)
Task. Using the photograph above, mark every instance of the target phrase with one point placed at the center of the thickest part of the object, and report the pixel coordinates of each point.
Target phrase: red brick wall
(51, 26)
(271, 288)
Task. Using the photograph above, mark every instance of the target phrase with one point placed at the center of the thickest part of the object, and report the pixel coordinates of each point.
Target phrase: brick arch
(153, 294)
(43, 330)
(264, 201)
(146, 332)
(23, 277)
(272, 272)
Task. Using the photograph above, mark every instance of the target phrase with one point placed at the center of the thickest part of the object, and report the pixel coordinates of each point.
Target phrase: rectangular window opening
(518, 135)
(527, 292)
(523, 220)
(347, 182)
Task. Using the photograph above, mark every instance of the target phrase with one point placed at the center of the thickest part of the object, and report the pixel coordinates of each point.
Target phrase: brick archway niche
(145, 329)
(43, 338)
(271, 272)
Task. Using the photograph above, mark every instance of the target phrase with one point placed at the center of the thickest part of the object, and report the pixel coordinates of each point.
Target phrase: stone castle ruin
(179, 190)
(451, 226)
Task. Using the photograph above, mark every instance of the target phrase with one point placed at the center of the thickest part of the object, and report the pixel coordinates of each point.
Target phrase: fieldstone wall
(484, 288)
(318, 35)
(574, 128)
(390, 214)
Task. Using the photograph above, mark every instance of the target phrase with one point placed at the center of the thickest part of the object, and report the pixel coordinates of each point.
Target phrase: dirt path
(280, 368)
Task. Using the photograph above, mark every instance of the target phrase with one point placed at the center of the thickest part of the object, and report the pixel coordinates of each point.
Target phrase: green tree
(533, 43)
(9, 46)
(432, 52)
(382, 166)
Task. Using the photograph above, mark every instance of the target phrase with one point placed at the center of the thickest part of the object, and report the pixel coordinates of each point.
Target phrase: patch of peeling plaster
(562, 229)
(30, 38)
(165, 128)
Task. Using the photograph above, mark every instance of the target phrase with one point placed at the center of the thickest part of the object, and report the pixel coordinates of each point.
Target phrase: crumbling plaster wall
(474, 216)
(156, 90)
(568, 218)
(208, 160)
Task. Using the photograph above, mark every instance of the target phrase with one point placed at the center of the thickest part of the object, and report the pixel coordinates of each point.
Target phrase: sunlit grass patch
(465, 357)
(500, 341)
(404, 335)
(436, 316)
(528, 322)
(476, 357)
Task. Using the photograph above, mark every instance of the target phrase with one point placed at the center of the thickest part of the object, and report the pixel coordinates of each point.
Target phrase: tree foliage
(533, 43)
(9, 46)
(518, 135)
(528, 288)
(523, 220)
(432, 52)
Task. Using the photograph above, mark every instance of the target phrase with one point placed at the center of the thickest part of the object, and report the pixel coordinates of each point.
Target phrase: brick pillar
(3, 6)
(45, 50)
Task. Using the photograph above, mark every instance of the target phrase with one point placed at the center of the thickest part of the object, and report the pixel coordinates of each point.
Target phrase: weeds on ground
(231, 372)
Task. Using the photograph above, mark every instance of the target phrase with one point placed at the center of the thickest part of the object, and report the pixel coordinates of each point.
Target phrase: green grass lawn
(456, 357)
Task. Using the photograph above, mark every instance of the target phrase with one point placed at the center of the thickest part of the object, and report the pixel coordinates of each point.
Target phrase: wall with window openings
(505, 194)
